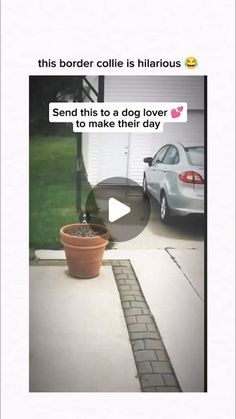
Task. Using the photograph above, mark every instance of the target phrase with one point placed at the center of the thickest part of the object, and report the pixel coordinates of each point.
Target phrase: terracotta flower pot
(84, 254)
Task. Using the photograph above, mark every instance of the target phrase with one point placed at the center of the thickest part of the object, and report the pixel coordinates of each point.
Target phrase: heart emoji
(175, 113)
(180, 108)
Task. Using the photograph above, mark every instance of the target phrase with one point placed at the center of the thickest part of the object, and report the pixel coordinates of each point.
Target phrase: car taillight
(191, 177)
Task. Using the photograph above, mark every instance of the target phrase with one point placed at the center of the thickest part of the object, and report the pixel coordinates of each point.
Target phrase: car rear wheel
(164, 209)
(144, 186)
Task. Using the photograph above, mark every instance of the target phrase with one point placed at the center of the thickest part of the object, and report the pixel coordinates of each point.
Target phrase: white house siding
(188, 89)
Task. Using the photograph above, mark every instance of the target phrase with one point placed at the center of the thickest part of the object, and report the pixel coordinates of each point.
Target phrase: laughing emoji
(191, 62)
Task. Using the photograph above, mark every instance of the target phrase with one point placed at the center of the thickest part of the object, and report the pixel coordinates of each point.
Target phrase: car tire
(145, 192)
(164, 209)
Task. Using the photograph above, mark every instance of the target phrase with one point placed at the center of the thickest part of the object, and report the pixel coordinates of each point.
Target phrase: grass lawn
(52, 189)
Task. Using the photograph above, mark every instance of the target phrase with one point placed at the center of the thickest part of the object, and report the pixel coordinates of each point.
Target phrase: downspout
(79, 157)
(80, 207)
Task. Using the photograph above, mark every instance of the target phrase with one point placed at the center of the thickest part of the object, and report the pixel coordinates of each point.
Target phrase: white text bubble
(116, 117)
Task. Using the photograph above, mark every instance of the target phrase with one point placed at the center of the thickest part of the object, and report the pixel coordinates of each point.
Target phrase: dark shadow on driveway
(190, 227)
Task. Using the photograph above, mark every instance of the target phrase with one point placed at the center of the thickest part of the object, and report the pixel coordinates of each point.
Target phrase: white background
(122, 29)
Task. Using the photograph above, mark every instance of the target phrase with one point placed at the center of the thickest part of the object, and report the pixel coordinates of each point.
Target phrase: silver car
(175, 177)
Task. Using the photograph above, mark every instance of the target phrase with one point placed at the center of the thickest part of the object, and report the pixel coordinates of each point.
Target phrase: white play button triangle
(116, 209)
(121, 206)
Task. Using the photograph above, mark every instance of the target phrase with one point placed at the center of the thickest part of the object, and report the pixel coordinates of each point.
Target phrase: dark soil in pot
(83, 231)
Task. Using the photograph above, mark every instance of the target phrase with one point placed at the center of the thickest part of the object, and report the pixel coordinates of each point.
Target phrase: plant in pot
(84, 245)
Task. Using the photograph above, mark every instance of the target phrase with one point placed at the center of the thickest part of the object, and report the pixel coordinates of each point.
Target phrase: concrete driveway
(168, 261)
(182, 232)
(78, 337)
(172, 282)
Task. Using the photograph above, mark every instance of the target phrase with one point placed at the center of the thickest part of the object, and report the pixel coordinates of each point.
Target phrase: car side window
(154, 159)
(172, 156)
(160, 155)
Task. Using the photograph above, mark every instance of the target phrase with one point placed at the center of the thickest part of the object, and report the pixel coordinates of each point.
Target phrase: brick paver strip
(155, 371)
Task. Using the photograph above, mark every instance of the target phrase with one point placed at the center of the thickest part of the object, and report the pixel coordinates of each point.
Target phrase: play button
(119, 204)
(116, 210)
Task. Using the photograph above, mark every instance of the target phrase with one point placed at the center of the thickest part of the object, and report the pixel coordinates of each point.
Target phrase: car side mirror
(148, 160)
